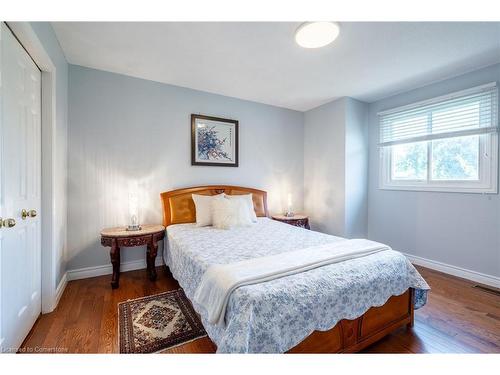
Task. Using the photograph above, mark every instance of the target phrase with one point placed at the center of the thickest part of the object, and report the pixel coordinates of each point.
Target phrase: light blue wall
(335, 167)
(356, 169)
(123, 129)
(49, 41)
(324, 167)
(458, 229)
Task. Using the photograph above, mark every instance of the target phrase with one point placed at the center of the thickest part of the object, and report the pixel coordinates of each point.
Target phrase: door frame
(30, 41)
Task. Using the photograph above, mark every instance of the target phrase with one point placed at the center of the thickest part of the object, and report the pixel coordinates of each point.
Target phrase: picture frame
(214, 141)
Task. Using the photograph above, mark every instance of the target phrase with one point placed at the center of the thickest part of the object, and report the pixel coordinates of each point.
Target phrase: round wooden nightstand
(115, 238)
(296, 220)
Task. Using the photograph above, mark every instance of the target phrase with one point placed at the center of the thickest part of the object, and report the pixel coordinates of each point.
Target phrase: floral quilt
(274, 316)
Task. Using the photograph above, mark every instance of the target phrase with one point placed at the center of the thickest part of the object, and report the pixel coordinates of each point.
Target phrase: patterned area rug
(154, 323)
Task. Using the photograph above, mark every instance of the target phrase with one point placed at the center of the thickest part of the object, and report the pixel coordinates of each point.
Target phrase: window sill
(441, 189)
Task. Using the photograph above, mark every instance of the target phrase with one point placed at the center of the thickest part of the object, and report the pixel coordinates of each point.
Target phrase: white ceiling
(260, 61)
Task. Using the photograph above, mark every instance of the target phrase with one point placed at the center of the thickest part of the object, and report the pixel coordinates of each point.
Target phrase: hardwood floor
(458, 318)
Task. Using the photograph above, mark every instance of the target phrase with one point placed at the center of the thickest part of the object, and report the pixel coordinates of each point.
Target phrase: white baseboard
(84, 273)
(60, 289)
(477, 277)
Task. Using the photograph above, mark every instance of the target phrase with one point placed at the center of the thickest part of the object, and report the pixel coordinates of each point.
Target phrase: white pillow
(230, 213)
(203, 205)
(247, 198)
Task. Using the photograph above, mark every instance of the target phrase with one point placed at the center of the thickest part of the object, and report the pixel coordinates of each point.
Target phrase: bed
(341, 307)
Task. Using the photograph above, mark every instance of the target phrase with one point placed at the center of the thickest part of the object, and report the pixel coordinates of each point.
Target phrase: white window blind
(468, 112)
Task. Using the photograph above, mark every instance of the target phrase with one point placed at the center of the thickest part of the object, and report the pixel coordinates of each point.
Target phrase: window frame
(488, 166)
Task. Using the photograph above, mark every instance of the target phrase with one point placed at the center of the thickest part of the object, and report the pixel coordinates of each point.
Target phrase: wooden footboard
(350, 336)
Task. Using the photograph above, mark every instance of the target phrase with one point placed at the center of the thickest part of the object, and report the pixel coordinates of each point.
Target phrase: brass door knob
(25, 214)
(9, 223)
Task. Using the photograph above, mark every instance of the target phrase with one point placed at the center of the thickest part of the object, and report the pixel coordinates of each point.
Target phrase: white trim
(438, 99)
(475, 276)
(60, 289)
(488, 172)
(30, 41)
(87, 272)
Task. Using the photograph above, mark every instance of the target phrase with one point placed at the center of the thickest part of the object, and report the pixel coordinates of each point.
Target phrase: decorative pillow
(247, 198)
(203, 205)
(230, 213)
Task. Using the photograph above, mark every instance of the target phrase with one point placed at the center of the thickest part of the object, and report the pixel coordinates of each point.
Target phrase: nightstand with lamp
(289, 217)
(131, 236)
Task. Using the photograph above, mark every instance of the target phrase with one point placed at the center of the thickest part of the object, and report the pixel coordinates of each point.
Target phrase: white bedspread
(220, 280)
(275, 315)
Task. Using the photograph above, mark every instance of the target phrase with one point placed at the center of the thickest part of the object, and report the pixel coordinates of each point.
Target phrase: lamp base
(134, 227)
(289, 214)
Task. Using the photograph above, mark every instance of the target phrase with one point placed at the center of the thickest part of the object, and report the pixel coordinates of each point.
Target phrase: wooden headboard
(178, 205)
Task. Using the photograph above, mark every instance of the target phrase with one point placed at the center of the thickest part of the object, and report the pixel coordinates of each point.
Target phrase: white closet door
(20, 162)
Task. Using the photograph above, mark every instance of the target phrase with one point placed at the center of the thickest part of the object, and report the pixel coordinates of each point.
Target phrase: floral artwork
(211, 145)
(214, 141)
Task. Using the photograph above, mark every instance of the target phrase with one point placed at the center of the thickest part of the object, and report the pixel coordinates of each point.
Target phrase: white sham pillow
(247, 198)
(203, 205)
(230, 213)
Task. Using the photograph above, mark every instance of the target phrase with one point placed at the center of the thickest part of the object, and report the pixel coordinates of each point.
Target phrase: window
(443, 144)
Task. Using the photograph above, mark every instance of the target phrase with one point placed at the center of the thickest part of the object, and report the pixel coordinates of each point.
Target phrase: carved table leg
(412, 309)
(151, 257)
(115, 261)
(148, 261)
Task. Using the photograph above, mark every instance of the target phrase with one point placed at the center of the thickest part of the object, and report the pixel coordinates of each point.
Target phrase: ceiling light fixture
(316, 34)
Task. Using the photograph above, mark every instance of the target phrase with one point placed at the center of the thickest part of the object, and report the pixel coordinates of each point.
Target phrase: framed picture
(214, 141)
